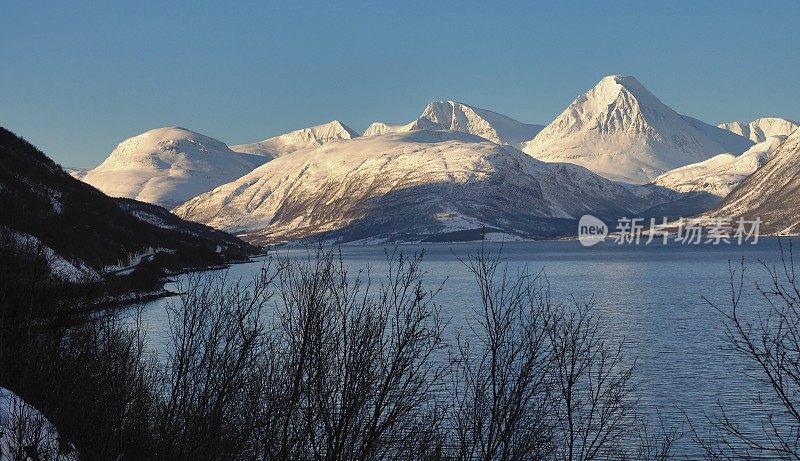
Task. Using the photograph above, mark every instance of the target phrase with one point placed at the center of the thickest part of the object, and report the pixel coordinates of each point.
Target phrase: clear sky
(78, 78)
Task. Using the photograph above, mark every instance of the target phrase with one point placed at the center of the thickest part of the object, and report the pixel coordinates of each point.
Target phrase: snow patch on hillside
(60, 267)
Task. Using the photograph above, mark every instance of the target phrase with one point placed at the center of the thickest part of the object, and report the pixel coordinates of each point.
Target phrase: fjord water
(649, 296)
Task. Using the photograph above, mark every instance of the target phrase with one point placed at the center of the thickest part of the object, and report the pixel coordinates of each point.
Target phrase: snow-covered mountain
(622, 131)
(305, 138)
(408, 186)
(720, 174)
(167, 166)
(772, 193)
(379, 128)
(457, 116)
(762, 128)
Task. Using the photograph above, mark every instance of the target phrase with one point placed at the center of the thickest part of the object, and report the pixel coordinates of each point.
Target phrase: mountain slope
(720, 174)
(85, 227)
(306, 138)
(167, 166)
(772, 193)
(380, 128)
(623, 132)
(457, 116)
(762, 128)
(408, 186)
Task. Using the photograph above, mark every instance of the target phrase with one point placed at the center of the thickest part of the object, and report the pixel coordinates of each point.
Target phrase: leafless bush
(539, 380)
(768, 338)
(25, 434)
(312, 360)
(501, 391)
(218, 341)
(595, 411)
(360, 379)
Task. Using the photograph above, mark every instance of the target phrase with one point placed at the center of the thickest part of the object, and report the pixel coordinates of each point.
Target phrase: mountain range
(616, 150)
(457, 116)
(771, 193)
(408, 186)
(306, 138)
(762, 128)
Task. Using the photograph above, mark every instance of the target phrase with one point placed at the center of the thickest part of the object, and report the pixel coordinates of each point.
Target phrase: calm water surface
(651, 297)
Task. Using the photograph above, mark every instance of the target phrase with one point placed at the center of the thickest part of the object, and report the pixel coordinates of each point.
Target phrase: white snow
(762, 128)
(380, 128)
(76, 172)
(167, 166)
(720, 174)
(60, 267)
(771, 192)
(457, 116)
(329, 187)
(305, 138)
(623, 132)
(127, 265)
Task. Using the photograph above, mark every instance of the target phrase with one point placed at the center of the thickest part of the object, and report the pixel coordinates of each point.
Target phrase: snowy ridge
(720, 174)
(620, 130)
(457, 116)
(305, 138)
(762, 128)
(771, 193)
(407, 185)
(380, 128)
(167, 166)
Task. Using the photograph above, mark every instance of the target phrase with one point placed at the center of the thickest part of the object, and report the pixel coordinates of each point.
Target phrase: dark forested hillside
(37, 197)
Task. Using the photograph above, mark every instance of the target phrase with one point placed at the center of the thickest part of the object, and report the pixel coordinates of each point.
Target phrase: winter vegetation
(313, 359)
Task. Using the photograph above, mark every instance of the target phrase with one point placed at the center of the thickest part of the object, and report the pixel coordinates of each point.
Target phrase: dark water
(650, 297)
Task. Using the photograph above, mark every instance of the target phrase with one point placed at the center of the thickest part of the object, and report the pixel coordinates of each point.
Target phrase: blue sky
(78, 78)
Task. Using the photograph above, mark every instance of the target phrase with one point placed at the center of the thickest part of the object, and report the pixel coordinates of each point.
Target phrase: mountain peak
(304, 138)
(762, 128)
(167, 139)
(624, 80)
(457, 116)
(167, 166)
(624, 92)
(770, 192)
(450, 115)
(320, 134)
(622, 131)
(380, 128)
